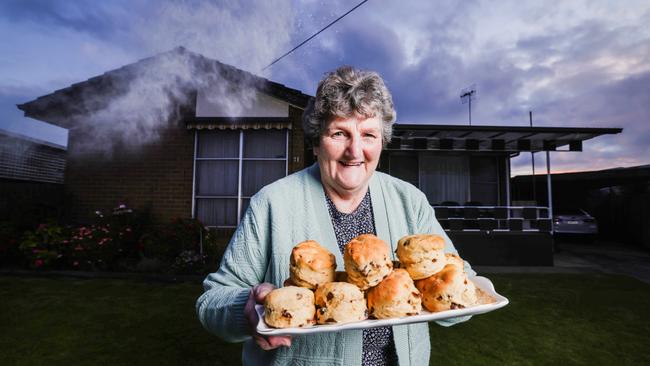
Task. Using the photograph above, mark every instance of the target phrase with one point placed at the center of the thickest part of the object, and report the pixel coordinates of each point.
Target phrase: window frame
(240, 159)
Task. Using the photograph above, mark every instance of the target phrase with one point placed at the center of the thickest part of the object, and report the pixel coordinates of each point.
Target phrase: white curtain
(263, 160)
(444, 178)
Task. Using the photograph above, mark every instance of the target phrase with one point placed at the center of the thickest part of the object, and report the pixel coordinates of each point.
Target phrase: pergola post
(549, 189)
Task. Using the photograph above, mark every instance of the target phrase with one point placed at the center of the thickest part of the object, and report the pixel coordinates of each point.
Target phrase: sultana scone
(289, 307)
(446, 290)
(451, 258)
(421, 255)
(311, 265)
(395, 296)
(367, 261)
(339, 302)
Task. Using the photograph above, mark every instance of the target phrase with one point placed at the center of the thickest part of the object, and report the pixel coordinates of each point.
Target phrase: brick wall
(157, 175)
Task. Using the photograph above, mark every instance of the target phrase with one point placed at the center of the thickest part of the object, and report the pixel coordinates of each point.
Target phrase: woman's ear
(316, 151)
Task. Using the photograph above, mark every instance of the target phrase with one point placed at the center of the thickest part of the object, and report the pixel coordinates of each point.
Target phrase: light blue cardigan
(284, 213)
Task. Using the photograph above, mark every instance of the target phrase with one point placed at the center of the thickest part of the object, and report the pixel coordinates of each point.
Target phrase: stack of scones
(372, 286)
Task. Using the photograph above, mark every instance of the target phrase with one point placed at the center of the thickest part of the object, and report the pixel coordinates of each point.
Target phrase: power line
(317, 33)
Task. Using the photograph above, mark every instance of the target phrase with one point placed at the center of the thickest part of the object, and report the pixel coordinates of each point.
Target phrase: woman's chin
(351, 185)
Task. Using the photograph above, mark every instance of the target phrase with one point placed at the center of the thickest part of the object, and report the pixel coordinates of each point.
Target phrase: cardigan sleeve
(428, 223)
(221, 307)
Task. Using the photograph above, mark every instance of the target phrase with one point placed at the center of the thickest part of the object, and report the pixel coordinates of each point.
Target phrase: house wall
(296, 141)
(157, 176)
(262, 105)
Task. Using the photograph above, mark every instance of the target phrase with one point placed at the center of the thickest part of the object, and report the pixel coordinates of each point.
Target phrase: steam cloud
(145, 97)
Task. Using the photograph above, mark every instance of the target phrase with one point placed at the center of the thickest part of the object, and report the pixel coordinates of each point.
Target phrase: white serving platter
(425, 316)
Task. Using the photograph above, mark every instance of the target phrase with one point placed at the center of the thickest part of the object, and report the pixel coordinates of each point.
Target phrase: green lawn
(551, 320)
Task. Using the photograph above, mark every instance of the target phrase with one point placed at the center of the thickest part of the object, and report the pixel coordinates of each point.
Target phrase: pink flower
(128, 229)
(41, 226)
(78, 248)
(75, 263)
(38, 262)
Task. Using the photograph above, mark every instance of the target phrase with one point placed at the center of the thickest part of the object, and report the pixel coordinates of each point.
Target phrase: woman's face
(349, 153)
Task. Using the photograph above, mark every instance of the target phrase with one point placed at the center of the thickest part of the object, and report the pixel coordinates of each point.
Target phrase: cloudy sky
(575, 63)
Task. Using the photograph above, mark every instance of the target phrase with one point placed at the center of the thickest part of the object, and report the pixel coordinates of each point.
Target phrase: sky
(573, 64)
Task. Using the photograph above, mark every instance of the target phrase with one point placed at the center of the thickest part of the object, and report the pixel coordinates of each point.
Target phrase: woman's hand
(257, 295)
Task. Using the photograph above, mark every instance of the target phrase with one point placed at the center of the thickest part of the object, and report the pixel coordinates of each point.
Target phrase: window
(445, 177)
(230, 167)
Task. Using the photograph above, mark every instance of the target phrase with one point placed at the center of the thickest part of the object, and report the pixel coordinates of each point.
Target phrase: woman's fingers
(260, 291)
(272, 342)
(257, 295)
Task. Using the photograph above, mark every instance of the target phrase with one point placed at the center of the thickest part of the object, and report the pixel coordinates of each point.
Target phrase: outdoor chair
(455, 224)
(441, 212)
(516, 224)
(470, 212)
(487, 224)
(530, 213)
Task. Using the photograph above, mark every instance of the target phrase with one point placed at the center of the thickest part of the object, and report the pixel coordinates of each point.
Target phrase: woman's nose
(354, 147)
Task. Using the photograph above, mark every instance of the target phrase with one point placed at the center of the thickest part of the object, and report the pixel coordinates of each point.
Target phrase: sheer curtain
(444, 178)
(263, 161)
(217, 176)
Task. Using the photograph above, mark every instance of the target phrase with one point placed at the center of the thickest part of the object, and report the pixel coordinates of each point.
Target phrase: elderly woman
(336, 199)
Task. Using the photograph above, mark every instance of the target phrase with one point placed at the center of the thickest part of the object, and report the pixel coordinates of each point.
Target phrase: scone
(339, 302)
(446, 290)
(421, 255)
(311, 265)
(454, 259)
(289, 307)
(394, 297)
(367, 261)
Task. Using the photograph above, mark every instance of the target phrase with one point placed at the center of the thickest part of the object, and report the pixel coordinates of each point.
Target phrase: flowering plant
(41, 247)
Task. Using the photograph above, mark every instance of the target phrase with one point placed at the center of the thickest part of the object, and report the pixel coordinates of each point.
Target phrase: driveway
(579, 257)
(605, 257)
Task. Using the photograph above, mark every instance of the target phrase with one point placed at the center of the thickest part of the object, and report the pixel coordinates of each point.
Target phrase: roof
(496, 138)
(587, 180)
(58, 105)
(641, 172)
(22, 158)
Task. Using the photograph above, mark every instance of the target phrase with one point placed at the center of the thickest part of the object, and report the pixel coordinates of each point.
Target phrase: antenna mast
(466, 96)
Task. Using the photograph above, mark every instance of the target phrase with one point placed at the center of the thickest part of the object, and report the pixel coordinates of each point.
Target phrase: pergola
(509, 140)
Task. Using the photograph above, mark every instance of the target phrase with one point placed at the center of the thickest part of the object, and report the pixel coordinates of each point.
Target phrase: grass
(558, 319)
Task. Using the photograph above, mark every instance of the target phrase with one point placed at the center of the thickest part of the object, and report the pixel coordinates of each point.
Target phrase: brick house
(212, 153)
(206, 160)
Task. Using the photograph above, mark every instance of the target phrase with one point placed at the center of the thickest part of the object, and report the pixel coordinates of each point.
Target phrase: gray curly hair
(346, 92)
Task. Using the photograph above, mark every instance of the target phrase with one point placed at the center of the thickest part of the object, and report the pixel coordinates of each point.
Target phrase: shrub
(42, 247)
(168, 241)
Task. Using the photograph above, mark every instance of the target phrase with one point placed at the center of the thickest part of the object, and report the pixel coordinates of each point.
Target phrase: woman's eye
(338, 134)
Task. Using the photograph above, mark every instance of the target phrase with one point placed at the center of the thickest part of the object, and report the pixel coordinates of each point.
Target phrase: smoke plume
(144, 97)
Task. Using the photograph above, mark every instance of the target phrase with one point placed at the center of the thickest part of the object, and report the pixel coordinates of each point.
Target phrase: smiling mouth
(347, 163)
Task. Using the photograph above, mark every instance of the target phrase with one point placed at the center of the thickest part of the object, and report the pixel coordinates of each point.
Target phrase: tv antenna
(466, 96)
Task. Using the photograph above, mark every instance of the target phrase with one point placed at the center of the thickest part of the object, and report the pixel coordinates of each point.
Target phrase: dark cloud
(85, 16)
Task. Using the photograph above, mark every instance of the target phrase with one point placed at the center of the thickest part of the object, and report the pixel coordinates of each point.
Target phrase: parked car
(575, 221)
